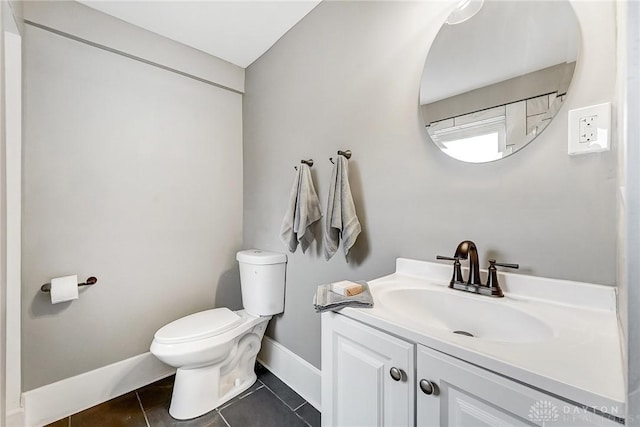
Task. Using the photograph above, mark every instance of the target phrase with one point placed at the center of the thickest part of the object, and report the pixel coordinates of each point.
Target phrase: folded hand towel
(341, 219)
(325, 299)
(302, 211)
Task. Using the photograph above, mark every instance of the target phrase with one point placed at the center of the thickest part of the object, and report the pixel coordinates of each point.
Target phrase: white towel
(341, 220)
(303, 210)
(325, 299)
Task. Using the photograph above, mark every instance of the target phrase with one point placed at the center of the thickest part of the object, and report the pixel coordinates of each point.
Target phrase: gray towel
(325, 299)
(341, 220)
(303, 210)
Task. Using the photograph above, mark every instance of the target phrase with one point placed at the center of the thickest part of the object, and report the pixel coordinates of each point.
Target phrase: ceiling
(238, 31)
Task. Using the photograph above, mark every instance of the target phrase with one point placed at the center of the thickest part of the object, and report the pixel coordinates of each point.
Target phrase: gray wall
(347, 77)
(86, 23)
(132, 174)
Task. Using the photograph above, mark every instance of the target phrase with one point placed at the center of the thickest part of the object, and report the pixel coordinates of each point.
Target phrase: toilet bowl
(214, 364)
(215, 350)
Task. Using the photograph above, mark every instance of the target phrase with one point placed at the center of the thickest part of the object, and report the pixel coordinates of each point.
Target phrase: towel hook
(306, 162)
(346, 154)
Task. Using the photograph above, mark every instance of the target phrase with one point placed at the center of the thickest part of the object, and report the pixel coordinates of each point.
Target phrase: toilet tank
(262, 277)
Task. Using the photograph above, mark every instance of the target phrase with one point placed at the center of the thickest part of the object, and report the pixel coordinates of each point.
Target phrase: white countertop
(581, 362)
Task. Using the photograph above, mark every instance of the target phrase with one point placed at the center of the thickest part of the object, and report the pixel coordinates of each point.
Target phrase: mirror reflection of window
(510, 58)
(477, 149)
(474, 142)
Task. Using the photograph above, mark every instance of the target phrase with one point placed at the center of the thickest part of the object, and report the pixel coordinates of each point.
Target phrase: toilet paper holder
(90, 281)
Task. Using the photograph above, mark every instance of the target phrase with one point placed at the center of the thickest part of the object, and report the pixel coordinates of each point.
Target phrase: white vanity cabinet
(432, 389)
(466, 395)
(357, 386)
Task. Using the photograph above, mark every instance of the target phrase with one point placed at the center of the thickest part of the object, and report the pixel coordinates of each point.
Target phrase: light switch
(590, 129)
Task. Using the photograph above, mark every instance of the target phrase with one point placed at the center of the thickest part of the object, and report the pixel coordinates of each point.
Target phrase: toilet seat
(208, 343)
(198, 326)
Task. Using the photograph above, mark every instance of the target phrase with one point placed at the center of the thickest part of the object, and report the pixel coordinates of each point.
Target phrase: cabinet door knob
(396, 374)
(427, 387)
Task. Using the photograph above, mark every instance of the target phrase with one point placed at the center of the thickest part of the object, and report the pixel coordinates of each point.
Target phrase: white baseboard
(58, 400)
(294, 371)
(15, 418)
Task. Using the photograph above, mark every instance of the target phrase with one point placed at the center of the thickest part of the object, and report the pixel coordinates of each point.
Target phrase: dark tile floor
(268, 403)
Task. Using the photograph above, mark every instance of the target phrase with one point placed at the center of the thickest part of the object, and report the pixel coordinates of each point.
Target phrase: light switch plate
(590, 129)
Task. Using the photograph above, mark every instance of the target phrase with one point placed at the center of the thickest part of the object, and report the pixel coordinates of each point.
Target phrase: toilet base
(197, 391)
(187, 404)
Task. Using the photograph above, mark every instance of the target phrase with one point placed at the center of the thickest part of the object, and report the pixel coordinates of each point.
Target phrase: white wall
(629, 207)
(10, 389)
(133, 174)
(3, 228)
(347, 77)
(13, 129)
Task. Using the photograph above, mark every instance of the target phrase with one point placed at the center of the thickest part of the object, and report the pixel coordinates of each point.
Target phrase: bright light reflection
(476, 149)
(464, 11)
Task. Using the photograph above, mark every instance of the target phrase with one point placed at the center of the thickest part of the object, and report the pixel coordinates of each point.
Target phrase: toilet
(215, 350)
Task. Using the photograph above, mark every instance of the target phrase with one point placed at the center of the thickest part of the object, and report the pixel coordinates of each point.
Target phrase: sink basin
(473, 316)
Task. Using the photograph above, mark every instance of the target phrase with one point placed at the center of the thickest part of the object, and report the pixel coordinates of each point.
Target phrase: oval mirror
(496, 75)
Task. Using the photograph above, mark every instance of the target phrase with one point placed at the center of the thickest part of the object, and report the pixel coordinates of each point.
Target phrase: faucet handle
(457, 270)
(492, 262)
(492, 281)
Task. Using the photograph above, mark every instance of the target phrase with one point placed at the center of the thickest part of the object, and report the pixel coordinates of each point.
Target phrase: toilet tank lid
(204, 324)
(258, 257)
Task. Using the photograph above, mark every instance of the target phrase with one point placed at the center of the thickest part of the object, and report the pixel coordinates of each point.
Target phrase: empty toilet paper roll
(64, 289)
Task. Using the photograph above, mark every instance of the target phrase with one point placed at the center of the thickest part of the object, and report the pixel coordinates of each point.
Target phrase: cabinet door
(466, 395)
(357, 386)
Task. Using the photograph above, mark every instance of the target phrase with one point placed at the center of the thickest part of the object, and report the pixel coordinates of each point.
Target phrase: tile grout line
(300, 416)
(282, 400)
(227, 404)
(250, 393)
(144, 414)
(223, 418)
(279, 398)
(303, 420)
(287, 405)
(218, 410)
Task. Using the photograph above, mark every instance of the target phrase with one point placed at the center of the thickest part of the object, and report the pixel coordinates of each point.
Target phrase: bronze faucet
(468, 250)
